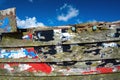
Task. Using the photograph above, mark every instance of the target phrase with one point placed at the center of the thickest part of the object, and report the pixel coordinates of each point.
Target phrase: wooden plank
(57, 36)
(8, 20)
(59, 69)
(85, 77)
(57, 53)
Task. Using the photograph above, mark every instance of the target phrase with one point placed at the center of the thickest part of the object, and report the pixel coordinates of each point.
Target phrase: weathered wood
(59, 69)
(8, 20)
(52, 37)
(54, 53)
(83, 49)
(113, 76)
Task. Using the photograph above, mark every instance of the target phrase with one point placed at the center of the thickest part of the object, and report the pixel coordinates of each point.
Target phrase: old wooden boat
(80, 49)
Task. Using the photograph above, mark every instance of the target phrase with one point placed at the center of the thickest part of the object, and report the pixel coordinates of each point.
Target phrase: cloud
(31, 1)
(28, 23)
(65, 5)
(71, 12)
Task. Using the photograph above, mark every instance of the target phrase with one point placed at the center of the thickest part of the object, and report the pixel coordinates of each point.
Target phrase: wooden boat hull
(59, 68)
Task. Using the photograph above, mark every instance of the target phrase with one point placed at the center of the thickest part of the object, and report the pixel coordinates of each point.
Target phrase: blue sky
(62, 12)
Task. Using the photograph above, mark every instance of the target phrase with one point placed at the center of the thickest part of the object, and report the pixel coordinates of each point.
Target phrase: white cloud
(65, 5)
(31, 1)
(28, 23)
(71, 12)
